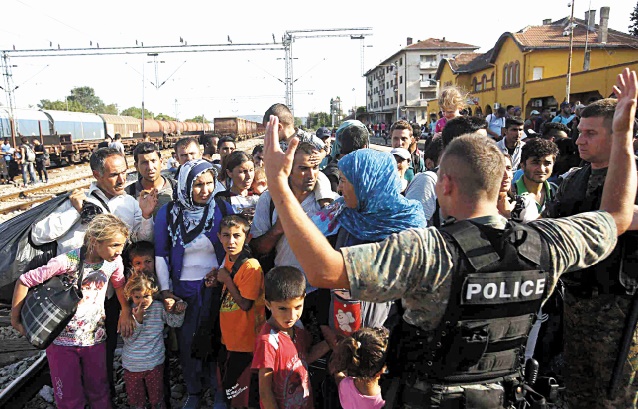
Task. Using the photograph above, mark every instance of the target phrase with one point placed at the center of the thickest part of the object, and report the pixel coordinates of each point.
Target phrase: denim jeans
(28, 167)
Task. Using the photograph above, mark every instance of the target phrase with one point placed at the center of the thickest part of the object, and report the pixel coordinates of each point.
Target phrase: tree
(318, 119)
(163, 117)
(136, 112)
(110, 109)
(633, 27)
(198, 119)
(87, 99)
(72, 106)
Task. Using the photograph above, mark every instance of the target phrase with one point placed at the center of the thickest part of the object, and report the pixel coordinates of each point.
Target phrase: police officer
(469, 290)
(598, 299)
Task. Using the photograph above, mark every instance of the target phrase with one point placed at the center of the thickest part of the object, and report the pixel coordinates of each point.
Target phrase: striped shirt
(144, 349)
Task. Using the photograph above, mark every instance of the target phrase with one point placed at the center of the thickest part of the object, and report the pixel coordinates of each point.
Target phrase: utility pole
(8, 89)
(571, 43)
(291, 35)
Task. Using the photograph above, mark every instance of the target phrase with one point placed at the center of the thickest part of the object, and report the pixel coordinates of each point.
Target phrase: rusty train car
(71, 137)
(238, 128)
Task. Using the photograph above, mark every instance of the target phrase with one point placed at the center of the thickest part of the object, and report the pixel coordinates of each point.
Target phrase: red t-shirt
(287, 358)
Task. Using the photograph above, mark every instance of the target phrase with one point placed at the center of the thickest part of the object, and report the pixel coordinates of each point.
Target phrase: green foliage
(318, 119)
(633, 27)
(199, 119)
(164, 117)
(85, 96)
(72, 106)
(82, 99)
(298, 122)
(137, 113)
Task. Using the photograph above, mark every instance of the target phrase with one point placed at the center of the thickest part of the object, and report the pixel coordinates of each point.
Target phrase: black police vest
(498, 284)
(618, 273)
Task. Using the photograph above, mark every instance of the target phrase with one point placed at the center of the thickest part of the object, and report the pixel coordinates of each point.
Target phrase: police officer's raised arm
(619, 192)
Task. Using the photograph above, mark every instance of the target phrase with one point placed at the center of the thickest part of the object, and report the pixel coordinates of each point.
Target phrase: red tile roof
(436, 44)
(556, 35)
(462, 59)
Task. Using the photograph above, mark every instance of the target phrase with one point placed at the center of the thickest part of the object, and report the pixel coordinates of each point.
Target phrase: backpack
(29, 154)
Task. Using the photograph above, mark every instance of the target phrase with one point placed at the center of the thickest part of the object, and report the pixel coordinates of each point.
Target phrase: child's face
(143, 300)
(450, 112)
(110, 249)
(259, 185)
(143, 264)
(232, 238)
(286, 313)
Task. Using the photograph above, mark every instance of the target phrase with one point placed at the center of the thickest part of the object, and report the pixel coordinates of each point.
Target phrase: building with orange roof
(529, 68)
(405, 81)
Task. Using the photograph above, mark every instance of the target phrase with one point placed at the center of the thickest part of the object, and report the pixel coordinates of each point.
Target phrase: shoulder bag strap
(99, 199)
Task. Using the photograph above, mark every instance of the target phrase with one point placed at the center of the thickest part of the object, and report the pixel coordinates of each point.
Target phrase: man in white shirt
(107, 193)
(267, 232)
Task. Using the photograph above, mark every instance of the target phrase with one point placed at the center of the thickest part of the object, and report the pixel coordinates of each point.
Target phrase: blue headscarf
(381, 209)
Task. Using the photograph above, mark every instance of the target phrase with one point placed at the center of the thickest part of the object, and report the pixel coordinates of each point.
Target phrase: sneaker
(192, 402)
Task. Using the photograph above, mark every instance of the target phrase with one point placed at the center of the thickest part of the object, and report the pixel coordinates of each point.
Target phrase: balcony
(428, 84)
(424, 65)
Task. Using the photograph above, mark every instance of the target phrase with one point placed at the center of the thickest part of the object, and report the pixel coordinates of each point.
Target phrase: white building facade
(401, 85)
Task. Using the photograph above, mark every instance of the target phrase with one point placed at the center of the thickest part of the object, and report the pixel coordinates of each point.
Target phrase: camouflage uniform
(595, 308)
(415, 265)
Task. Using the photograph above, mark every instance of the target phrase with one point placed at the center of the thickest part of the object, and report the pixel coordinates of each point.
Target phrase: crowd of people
(322, 273)
(26, 160)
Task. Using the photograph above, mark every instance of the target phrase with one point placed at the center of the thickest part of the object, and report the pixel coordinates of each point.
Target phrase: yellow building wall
(601, 80)
(554, 62)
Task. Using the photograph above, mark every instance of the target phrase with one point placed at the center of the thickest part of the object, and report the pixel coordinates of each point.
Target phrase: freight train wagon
(238, 128)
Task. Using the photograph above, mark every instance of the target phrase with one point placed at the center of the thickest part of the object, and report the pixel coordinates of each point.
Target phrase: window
(537, 73)
(506, 76)
(422, 114)
(387, 84)
(401, 79)
(401, 61)
(428, 58)
(391, 100)
(484, 82)
(401, 98)
(517, 75)
(387, 101)
(512, 73)
(423, 95)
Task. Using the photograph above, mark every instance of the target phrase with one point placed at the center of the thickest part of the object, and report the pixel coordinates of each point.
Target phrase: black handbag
(50, 306)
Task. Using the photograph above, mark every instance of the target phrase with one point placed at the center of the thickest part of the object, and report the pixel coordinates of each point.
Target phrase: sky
(218, 84)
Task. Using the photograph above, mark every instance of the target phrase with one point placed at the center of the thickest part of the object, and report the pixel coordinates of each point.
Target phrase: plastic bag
(18, 254)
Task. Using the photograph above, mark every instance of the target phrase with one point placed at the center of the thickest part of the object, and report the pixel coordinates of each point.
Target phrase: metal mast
(8, 89)
(287, 43)
(291, 35)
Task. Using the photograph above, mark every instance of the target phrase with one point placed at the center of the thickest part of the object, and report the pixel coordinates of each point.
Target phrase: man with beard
(148, 162)
(68, 223)
(512, 143)
(537, 162)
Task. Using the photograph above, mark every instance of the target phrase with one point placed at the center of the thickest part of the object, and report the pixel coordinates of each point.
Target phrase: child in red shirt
(283, 349)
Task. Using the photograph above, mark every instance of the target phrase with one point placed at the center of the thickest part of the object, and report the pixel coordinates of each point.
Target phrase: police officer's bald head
(476, 164)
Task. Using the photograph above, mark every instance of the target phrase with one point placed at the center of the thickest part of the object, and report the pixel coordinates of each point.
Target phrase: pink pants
(78, 373)
(135, 387)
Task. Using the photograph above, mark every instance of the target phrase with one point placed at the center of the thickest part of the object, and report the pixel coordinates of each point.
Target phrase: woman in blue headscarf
(371, 209)
(186, 250)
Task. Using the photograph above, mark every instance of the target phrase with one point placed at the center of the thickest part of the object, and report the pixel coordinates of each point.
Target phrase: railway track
(34, 196)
